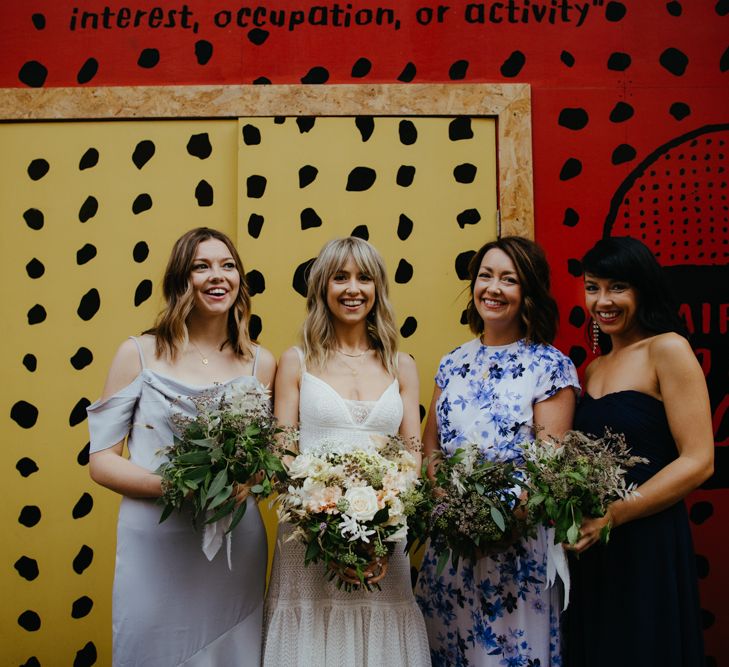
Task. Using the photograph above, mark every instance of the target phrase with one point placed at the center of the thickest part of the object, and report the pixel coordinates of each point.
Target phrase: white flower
(362, 503)
(349, 526)
(399, 535)
(299, 467)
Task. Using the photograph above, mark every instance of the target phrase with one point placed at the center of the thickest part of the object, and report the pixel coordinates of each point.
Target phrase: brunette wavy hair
(170, 328)
(318, 336)
(539, 313)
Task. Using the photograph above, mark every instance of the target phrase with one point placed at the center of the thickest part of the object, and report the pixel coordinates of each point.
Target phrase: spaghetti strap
(139, 349)
(255, 361)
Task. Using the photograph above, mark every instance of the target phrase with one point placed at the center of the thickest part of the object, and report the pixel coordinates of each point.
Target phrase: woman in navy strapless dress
(635, 600)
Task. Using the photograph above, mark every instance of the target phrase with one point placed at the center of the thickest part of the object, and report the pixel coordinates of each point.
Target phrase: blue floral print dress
(498, 610)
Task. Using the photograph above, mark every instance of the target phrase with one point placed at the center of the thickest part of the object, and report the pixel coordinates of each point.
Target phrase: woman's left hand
(590, 532)
(242, 491)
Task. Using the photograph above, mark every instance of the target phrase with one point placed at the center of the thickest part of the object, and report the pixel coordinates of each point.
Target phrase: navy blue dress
(635, 600)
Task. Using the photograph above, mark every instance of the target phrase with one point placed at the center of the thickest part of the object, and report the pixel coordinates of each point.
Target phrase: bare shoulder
(266, 366)
(125, 367)
(407, 371)
(670, 349)
(289, 359)
(591, 368)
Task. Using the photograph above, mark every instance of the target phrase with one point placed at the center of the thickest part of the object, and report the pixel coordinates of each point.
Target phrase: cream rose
(362, 503)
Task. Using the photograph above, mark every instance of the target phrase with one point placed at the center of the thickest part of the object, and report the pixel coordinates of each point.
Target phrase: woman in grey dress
(172, 604)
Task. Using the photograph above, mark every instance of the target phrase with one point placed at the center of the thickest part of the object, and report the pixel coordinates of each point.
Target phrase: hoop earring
(595, 337)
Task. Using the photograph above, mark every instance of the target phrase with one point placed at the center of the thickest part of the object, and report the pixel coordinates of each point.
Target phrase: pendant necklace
(203, 357)
(359, 356)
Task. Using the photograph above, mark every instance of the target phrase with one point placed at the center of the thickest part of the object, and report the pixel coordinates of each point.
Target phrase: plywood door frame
(510, 104)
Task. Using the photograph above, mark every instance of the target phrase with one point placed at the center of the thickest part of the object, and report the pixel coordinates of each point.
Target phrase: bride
(347, 382)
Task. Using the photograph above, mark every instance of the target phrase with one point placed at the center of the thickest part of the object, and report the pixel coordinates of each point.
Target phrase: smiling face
(613, 304)
(214, 278)
(350, 293)
(497, 296)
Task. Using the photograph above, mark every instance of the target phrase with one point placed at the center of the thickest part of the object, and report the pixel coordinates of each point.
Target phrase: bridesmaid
(635, 600)
(494, 388)
(171, 605)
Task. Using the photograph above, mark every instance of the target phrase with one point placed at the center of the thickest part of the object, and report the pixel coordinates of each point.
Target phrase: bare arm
(407, 376)
(288, 378)
(266, 368)
(431, 442)
(686, 401)
(555, 414)
(109, 467)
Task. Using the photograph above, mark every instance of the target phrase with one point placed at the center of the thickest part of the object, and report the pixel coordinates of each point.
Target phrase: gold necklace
(203, 357)
(359, 356)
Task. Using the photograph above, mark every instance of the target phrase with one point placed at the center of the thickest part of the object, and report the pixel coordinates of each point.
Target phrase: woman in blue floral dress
(493, 390)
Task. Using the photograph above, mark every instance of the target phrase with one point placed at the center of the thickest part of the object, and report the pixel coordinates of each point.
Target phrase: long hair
(170, 328)
(625, 258)
(538, 311)
(318, 336)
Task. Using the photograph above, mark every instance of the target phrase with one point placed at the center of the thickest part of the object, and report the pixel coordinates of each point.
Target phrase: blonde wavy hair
(318, 339)
(170, 328)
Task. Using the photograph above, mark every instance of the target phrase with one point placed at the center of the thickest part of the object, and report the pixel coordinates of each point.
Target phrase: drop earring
(595, 337)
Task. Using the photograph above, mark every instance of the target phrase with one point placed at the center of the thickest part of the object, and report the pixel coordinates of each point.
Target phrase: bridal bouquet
(573, 477)
(230, 440)
(473, 512)
(349, 505)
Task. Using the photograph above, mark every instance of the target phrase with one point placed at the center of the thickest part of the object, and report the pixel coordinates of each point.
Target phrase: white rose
(299, 467)
(399, 535)
(362, 503)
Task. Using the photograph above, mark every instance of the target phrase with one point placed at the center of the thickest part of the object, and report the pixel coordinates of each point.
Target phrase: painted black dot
(674, 8)
(301, 276)
(513, 64)
(261, 81)
(408, 326)
(574, 267)
(360, 179)
(571, 217)
(578, 354)
(141, 203)
(365, 125)
(29, 621)
(39, 21)
(255, 225)
(83, 559)
(724, 60)
(83, 506)
(460, 129)
(255, 326)
(34, 218)
(140, 251)
(88, 71)
(27, 568)
(24, 414)
(674, 61)
(78, 412)
(203, 51)
(204, 193)
(465, 173)
(38, 168)
(623, 153)
(34, 268)
(85, 254)
(81, 358)
(567, 58)
(82, 458)
(577, 316)
(404, 227)
(143, 153)
(621, 112)
(143, 292)
(421, 411)
(307, 174)
(89, 159)
(316, 75)
(468, 217)
(722, 7)
(148, 58)
(256, 282)
(702, 566)
(408, 73)
(88, 209)
(407, 132)
(701, 511)
(614, 11)
(89, 304)
(464, 317)
(619, 62)
(81, 607)
(251, 135)
(30, 362)
(255, 186)
(680, 110)
(707, 619)
(86, 657)
(361, 68)
(31, 662)
(571, 168)
(257, 36)
(457, 70)
(33, 74)
(573, 118)
(305, 123)
(36, 314)
(309, 218)
(26, 466)
(463, 261)
(405, 175)
(199, 145)
(404, 272)
(29, 516)
(361, 232)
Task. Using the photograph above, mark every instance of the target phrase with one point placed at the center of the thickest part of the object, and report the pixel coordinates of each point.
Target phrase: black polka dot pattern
(404, 272)
(203, 51)
(463, 261)
(38, 168)
(24, 414)
(404, 227)
(408, 73)
(316, 75)
(26, 466)
(34, 268)
(407, 132)
(29, 516)
(81, 607)
(88, 209)
(78, 413)
(255, 186)
(307, 175)
(30, 361)
(89, 159)
(365, 125)
(360, 179)
(199, 146)
(142, 292)
(86, 656)
(361, 68)
(83, 456)
(255, 225)
(301, 275)
(405, 175)
(88, 71)
(27, 568)
(89, 304)
(204, 193)
(310, 218)
(83, 506)
(142, 203)
(85, 254)
(256, 282)
(29, 620)
(143, 153)
(255, 327)
(408, 327)
(81, 358)
(470, 216)
(513, 65)
(33, 74)
(37, 314)
(361, 232)
(148, 58)
(34, 218)
(83, 559)
(674, 61)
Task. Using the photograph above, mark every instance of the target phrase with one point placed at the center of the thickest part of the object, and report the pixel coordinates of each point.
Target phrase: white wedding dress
(308, 621)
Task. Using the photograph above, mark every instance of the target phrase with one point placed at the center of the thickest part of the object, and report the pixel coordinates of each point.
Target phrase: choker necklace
(360, 360)
(353, 356)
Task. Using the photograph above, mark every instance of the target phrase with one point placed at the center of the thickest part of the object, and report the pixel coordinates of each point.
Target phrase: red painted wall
(630, 113)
